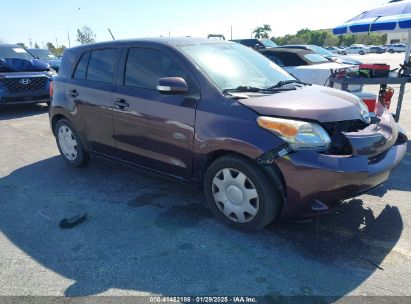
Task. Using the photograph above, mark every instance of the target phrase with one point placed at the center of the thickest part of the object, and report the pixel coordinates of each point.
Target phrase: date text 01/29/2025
(203, 299)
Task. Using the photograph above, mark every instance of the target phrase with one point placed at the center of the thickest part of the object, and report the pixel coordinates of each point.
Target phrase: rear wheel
(391, 51)
(69, 144)
(240, 194)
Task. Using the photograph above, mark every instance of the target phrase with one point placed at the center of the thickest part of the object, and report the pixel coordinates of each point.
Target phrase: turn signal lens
(280, 126)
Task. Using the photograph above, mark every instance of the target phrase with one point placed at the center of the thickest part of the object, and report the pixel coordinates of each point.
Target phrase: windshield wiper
(285, 82)
(245, 89)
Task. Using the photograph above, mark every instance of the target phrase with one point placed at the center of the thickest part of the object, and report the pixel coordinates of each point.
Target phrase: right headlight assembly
(298, 134)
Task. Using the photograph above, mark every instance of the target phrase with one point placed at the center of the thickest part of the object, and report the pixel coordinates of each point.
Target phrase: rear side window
(101, 65)
(81, 69)
(146, 66)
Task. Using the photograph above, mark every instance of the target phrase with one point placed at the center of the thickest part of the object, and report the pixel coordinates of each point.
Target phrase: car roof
(161, 40)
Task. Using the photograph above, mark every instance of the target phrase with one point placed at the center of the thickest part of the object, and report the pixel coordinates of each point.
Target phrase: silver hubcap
(235, 195)
(68, 143)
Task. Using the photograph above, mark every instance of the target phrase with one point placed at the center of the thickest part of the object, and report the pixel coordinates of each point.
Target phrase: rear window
(81, 69)
(315, 58)
(101, 65)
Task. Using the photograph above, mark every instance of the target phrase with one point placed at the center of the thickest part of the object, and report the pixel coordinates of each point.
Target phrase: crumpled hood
(23, 65)
(309, 102)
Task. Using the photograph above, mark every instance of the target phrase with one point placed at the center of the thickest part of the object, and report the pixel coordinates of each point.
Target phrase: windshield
(268, 43)
(321, 51)
(315, 58)
(230, 65)
(43, 54)
(14, 52)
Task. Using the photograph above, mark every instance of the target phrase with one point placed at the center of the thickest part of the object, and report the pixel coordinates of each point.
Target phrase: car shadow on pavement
(18, 111)
(148, 234)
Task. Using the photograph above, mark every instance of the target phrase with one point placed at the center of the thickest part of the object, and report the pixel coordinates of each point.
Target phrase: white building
(397, 38)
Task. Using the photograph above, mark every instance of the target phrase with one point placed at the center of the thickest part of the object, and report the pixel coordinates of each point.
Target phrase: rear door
(91, 91)
(152, 129)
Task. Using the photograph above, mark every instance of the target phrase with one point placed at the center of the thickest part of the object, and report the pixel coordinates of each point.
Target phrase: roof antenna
(111, 34)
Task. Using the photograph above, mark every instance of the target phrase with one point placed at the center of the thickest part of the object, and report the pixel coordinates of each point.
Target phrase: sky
(57, 21)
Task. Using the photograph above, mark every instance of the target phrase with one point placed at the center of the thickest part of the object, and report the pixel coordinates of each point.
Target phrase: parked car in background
(252, 43)
(355, 49)
(23, 78)
(397, 48)
(257, 44)
(306, 65)
(333, 49)
(377, 49)
(47, 56)
(327, 54)
(263, 144)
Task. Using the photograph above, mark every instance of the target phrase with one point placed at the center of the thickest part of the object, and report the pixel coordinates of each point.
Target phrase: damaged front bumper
(316, 182)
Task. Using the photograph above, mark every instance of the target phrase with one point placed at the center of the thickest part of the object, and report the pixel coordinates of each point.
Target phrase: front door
(152, 129)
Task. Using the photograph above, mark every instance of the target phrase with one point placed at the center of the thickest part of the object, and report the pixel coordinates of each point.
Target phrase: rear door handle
(121, 104)
(73, 93)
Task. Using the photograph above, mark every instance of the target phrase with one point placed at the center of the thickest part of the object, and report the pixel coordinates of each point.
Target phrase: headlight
(298, 134)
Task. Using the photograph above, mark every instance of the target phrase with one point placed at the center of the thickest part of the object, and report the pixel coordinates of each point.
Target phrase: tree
(51, 47)
(36, 46)
(327, 38)
(85, 35)
(21, 44)
(56, 51)
(262, 31)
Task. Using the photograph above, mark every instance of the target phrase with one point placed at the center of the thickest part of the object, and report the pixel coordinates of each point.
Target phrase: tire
(250, 197)
(362, 53)
(69, 144)
(391, 51)
(343, 53)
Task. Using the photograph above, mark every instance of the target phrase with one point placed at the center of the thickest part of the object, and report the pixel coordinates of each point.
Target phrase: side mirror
(172, 85)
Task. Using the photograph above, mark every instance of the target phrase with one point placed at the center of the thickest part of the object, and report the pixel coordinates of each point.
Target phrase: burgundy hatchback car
(263, 144)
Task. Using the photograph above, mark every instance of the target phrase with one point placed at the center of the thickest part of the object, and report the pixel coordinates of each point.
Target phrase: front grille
(22, 84)
(339, 142)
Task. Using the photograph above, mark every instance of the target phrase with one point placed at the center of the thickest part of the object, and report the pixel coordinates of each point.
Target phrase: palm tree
(262, 31)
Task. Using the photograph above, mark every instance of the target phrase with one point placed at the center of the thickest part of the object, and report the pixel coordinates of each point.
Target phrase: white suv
(397, 48)
(355, 49)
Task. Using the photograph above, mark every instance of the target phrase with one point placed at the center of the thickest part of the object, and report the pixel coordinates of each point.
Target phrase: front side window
(146, 66)
(229, 65)
(101, 65)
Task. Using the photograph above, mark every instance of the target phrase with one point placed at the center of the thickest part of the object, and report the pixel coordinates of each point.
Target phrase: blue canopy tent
(394, 16)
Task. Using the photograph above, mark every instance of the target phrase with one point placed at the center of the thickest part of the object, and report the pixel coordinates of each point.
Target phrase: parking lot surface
(146, 235)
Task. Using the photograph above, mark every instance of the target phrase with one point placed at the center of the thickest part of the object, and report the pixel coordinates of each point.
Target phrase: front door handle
(121, 104)
(73, 93)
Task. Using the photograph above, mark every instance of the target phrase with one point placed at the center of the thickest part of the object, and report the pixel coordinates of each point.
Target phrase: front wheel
(240, 194)
(69, 144)
(362, 53)
(391, 51)
(343, 53)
